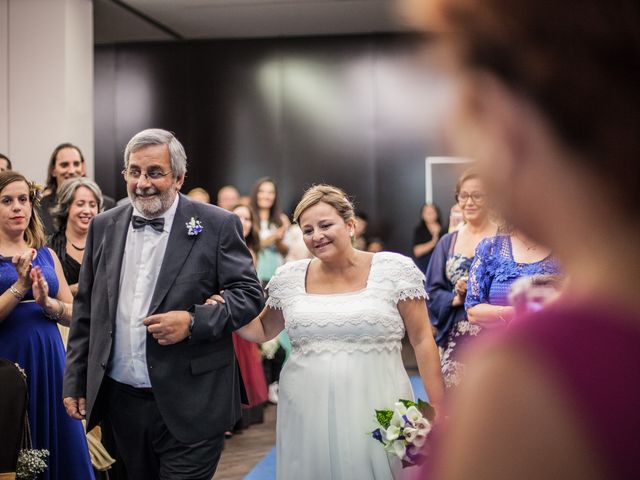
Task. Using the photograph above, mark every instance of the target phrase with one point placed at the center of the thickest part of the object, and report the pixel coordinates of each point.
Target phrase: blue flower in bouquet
(194, 227)
(403, 430)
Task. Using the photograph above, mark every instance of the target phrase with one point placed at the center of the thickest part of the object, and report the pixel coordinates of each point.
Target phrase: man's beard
(155, 206)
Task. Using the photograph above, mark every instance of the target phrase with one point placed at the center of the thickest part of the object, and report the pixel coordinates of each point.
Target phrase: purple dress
(592, 352)
(33, 341)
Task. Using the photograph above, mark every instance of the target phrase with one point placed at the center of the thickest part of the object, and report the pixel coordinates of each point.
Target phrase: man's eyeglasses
(135, 174)
(477, 198)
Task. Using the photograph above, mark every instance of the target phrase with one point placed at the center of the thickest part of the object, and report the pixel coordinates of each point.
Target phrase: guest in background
(448, 271)
(79, 200)
(547, 101)
(248, 353)
(66, 162)
(5, 163)
(273, 227)
(228, 197)
(426, 235)
(199, 194)
(362, 222)
(376, 245)
(35, 298)
(295, 243)
(500, 261)
(456, 219)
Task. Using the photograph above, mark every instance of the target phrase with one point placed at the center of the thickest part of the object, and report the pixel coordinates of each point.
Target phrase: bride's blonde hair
(328, 194)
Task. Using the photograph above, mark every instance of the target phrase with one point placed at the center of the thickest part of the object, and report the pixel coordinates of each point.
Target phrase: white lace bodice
(362, 321)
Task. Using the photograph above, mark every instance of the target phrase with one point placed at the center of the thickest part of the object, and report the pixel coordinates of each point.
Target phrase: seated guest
(66, 162)
(426, 235)
(79, 200)
(5, 163)
(498, 263)
(36, 297)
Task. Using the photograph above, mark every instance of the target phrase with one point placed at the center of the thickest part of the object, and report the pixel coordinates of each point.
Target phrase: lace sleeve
(479, 281)
(283, 284)
(408, 280)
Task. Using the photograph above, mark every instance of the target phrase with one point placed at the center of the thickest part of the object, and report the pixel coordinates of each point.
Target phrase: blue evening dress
(33, 341)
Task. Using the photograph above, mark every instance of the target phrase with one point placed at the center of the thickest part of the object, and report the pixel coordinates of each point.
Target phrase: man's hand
(169, 328)
(76, 407)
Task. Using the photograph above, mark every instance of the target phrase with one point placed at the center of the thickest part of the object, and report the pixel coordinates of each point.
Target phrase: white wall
(46, 81)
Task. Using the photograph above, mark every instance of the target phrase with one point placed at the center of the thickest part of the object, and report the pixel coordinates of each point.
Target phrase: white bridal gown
(345, 363)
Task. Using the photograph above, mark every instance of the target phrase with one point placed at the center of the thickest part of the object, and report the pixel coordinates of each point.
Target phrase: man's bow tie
(139, 222)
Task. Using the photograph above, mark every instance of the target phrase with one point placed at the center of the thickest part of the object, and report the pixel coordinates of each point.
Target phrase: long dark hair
(275, 214)
(253, 239)
(51, 185)
(421, 223)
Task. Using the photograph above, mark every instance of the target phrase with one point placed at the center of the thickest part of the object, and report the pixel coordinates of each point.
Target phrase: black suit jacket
(195, 382)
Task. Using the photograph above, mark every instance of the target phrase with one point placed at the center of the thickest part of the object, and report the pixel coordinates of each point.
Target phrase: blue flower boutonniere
(194, 227)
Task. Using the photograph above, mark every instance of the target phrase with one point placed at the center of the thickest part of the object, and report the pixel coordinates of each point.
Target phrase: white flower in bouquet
(403, 431)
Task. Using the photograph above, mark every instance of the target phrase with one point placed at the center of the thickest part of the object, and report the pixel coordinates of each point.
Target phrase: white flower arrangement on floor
(403, 430)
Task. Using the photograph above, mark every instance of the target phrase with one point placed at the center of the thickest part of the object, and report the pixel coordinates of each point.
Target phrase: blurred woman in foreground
(549, 105)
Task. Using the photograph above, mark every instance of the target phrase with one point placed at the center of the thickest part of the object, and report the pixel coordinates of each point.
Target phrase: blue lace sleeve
(480, 275)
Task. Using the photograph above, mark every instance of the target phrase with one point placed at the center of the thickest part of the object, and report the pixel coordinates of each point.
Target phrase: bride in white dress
(346, 312)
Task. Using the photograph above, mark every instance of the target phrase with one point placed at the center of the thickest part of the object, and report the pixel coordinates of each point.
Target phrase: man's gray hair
(157, 136)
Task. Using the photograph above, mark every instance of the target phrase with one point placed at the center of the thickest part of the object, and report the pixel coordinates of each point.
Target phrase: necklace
(529, 247)
(76, 247)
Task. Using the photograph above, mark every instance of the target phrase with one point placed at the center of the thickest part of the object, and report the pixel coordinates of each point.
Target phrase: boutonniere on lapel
(194, 227)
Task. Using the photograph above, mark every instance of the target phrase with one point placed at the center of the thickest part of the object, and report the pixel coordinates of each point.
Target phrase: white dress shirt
(143, 254)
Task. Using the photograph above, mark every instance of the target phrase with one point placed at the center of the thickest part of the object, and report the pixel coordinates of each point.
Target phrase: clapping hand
(40, 287)
(169, 328)
(23, 268)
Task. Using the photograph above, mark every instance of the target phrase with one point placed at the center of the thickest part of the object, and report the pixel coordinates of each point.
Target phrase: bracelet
(56, 316)
(16, 293)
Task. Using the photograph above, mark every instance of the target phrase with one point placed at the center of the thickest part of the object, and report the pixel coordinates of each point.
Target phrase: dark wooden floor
(243, 451)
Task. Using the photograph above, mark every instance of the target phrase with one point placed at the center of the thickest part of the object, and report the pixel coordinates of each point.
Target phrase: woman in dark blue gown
(35, 297)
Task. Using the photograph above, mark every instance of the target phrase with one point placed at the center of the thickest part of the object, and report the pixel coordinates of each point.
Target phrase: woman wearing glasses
(448, 272)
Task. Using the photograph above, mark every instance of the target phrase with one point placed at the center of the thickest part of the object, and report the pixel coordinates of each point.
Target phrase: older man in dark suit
(144, 350)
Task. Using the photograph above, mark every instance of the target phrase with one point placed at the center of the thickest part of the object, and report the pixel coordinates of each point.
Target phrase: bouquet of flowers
(403, 430)
(31, 463)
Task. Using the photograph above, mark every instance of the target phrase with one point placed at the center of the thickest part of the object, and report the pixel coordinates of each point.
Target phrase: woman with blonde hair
(346, 312)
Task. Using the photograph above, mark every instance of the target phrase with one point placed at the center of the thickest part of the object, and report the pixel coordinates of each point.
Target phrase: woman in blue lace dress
(498, 263)
(34, 297)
